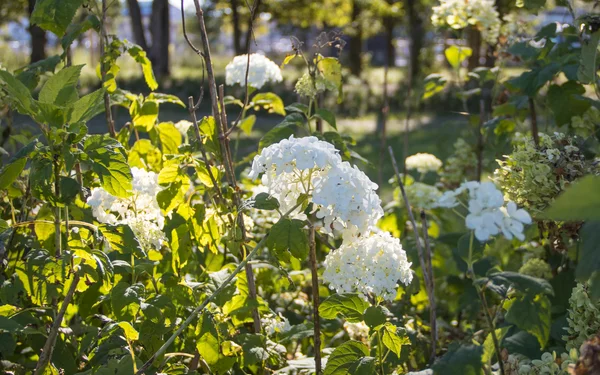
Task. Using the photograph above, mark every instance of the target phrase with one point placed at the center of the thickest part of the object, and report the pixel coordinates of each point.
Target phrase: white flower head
(262, 70)
(140, 211)
(273, 324)
(459, 14)
(368, 265)
(423, 163)
(183, 126)
(514, 220)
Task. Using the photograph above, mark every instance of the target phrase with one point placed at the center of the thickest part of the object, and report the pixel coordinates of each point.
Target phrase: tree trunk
(237, 31)
(137, 25)
(475, 44)
(355, 45)
(415, 39)
(38, 39)
(160, 30)
(249, 32)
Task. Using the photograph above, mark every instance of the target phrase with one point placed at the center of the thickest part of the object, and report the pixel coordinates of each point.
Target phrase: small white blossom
(513, 221)
(262, 70)
(368, 265)
(423, 163)
(357, 331)
(183, 126)
(273, 324)
(140, 211)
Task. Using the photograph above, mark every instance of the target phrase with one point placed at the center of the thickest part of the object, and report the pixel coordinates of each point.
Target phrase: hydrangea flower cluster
(421, 195)
(533, 176)
(423, 163)
(306, 87)
(140, 211)
(548, 364)
(487, 215)
(262, 70)
(273, 324)
(582, 317)
(459, 14)
(369, 265)
(345, 199)
(460, 166)
(536, 267)
(357, 331)
(585, 125)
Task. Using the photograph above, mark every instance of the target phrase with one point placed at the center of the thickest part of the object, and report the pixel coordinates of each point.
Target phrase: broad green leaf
(269, 101)
(18, 93)
(364, 366)
(107, 161)
(139, 55)
(587, 64)
(284, 129)
(59, 85)
(75, 30)
(165, 98)
(348, 306)
(87, 107)
(55, 15)
(144, 154)
(489, 350)
(297, 107)
(391, 339)
(531, 81)
(523, 283)
(461, 359)
(30, 74)
(170, 137)
(457, 54)
(121, 238)
(210, 135)
(532, 314)
(327, 116)
(288, 235)
(254, 347)
(207, 339)
(126, 299)
(579, 201)
(9, 325)
(565, 101)
(265, 201)
(374, 316)
(289, 57)
(469, 241)
(589, 261)
(247, 124)
(144, 117)
(331, 69)
(130, 333)
(10, 172)
(345, 358)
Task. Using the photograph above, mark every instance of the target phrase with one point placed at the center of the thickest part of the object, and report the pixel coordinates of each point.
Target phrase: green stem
(380, 352)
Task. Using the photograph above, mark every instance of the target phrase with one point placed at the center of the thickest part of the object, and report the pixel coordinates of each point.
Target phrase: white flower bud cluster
(369, 265)
(346, 201)
(420, 195)
(423, 163)
(140, 211)
(459, 14)
(262, 71)
(357, 331)
(273, 324)
(487, 214)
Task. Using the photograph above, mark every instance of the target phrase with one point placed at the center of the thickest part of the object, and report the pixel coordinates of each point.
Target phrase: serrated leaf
(348, 306)
(75, 30)
(247, 124)
(297, 333)
(18, 93)
(565, 101)
(130, 333)
(207, 342)
(265, 201)
(523, 283)
(532, 314)
(143, 154)
(489, 350)
(374, 316)
(139, 55)
(58, 85)
(460, 360)
(290, 124)
(346, 357)
(144, 117)
(327, 116)
(587, 63)
(109, 164)
(54, 15)
(121, 238)
(87, 107)
(391, 339)
(457, 54)
(10, 172)
(288, 235)
(579, 201)
(170, 137)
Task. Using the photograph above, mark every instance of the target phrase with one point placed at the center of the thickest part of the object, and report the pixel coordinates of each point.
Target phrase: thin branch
(46, 354)
(185, 35)
(482, 119)
(430, 289)
(103, 39)
(534, 127)
(314, 269)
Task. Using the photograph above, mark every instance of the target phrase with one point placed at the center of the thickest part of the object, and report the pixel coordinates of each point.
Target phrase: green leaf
(327, 116)
(130, 333)
(247, 124)
(489, 350)
(348, 306)
(170, 137)
(579, 201)
(288, 235)
(565, 101)
(87, 107)
(532, 314)
(60, 85)
(75, 30)
(265, 201)
(126, 299)
(207, 341)
(107, 161)
(121, 238)
(331, 69)
(457, 54)
(297, 107)
(9, 325)
(463, 247)
(374, 316)
(346, 358)
(391, 339)
(10, 172)
(523, 283)
(18, 93)
(54, 15)
(144, 117)
(460, 360)
(530, 82)
(434, 83)
(297, 333)
(284, 129)
(210, 134)
(165, 98)
(269, 101)
(589, 261)
(145, 155)
(139, 55)
(587, 64)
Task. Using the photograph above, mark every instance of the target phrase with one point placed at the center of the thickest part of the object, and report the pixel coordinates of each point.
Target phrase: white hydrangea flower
(357, 331)
(514, 220)
(273, 324)
(262, 70)
(459, 14)
(183, 126)
(368, 265)
(422, 196)
(423, 163)
(344, 196)
(140, 210)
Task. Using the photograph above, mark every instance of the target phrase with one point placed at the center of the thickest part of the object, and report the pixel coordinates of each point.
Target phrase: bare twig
(315, 294)
(534, 127)
(411, 217)
(46, 354)
(103, 39)
(430, 289)
(482, 119)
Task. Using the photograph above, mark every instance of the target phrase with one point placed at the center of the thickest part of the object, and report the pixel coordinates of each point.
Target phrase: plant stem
(315, 294)
(480, 138)
(534, 126)
(431, 289)
(380, 352)
(48, 348)
(57, 234)
(103, 40)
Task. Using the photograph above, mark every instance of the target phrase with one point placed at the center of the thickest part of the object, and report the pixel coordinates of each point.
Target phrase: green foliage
(581, 201)
(350, 358)
(288, 237)
(460, 359)
(348, 306)
(54, 15)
